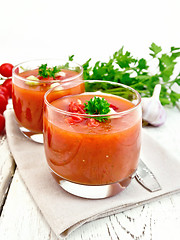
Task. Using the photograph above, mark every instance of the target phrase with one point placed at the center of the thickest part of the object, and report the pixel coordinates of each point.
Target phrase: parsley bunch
(45, 72)
(99, 106)
(123, 68)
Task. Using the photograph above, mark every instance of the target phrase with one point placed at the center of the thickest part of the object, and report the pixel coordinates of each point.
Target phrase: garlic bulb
(152, 110)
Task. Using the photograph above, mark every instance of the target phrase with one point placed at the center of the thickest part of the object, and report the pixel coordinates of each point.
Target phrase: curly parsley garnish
(45, 72)
(99, 106)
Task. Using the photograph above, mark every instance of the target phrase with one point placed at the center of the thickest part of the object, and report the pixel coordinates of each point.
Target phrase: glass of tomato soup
(31, 80)
(92, 139)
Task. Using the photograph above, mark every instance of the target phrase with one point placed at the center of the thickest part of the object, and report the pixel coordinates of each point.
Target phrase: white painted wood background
(21, 219)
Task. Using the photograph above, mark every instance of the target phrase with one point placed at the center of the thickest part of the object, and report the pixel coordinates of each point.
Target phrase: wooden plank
(21, 219)
(7, 166)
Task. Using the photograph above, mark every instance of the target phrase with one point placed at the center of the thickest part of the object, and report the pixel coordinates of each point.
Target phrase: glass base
(36, 137)
(91, 191)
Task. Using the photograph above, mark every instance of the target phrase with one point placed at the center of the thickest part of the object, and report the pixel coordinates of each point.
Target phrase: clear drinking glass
(28, 92)
(89, 158)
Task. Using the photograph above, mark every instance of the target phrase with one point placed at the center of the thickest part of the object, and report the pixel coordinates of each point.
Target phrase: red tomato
(17, 70)
(113, 107)
(76, 107)
(92, 122)
(73, 107)
(2, 123)
(8, 85)
(4, 91)
(3, 103)
(46, 79)
(6, 69)
(74, 119)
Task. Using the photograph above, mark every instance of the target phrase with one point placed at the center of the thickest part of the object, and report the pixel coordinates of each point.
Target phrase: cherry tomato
(8, 84)
(6, 69)
(3, 103)
(2, 123)
(4, 91)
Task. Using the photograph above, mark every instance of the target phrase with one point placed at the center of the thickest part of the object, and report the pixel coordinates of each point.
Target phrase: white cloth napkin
(65, 212)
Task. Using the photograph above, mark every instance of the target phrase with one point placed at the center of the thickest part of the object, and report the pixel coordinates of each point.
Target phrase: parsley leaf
(99, 106)
(155, 49)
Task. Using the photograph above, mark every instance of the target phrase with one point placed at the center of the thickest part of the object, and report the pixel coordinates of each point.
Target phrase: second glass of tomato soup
(31, 80)
(92, 139)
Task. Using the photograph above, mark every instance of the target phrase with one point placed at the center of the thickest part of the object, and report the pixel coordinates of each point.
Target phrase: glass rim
(46, 102)
(47, 81)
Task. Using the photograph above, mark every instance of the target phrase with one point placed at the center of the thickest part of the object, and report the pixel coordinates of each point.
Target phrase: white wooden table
(21, 219)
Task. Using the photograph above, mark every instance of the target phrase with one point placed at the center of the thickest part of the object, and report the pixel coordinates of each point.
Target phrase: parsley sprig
(45, 72)
(122, 67)
(99, 106)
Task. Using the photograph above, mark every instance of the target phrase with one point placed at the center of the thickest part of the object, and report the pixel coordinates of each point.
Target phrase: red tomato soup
(92, 153)
(28, 98)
